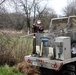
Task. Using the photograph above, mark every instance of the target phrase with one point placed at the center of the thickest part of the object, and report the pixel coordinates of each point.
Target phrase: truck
(56, 50)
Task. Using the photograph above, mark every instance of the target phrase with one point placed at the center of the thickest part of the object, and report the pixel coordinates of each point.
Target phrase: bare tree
(2, 8)
(37, 8)
(70, 9)
(29, 8)
(32, 10)
(46, 15)
(26, 7)
(2, 1)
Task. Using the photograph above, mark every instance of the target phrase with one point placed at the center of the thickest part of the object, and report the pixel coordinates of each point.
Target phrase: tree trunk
(28, 31)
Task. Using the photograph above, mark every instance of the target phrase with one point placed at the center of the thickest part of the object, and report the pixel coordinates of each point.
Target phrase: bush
(13, 49)
(6, 70)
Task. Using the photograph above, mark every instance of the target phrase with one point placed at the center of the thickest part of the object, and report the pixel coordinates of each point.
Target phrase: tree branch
(2, 2)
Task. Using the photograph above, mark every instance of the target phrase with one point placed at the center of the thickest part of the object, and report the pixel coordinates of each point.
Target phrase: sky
(58, 5)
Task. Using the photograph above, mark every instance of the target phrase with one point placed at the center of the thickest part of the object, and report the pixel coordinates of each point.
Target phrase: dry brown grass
(28, 69)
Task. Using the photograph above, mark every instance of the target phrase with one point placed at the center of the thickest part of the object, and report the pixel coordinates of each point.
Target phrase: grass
(18, 47)
(13, 49)
(6, 70)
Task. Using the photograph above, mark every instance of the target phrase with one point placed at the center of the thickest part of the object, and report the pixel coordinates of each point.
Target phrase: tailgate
(44, 62)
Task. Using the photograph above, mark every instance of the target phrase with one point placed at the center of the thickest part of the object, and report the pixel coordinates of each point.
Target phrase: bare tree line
(32, 10)
(70, 9)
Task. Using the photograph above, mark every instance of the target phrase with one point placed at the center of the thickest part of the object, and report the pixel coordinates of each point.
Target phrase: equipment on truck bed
(63, 48)
(56, 51)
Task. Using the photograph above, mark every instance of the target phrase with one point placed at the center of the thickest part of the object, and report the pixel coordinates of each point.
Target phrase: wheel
(66, 72)
(73, 47)
(69, 69)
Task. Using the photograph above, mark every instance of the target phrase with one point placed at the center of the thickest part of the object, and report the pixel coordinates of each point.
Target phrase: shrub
(13, 49)
(6, 70)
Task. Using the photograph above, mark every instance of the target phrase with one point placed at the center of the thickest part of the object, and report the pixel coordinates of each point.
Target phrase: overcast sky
(57, 5)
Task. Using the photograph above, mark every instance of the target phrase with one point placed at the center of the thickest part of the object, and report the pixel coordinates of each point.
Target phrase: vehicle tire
(67, 72)
(73, 46)
(69, 69)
